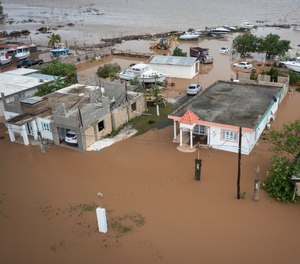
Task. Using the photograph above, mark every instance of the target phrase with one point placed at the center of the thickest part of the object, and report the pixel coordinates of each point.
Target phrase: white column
(24, 135)
(180, 137)
(191, 138)
(208, 135)
(11, 133)
(175, 135)
(34, 129)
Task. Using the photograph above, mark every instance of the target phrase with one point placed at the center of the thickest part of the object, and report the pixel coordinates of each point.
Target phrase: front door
(200, 134)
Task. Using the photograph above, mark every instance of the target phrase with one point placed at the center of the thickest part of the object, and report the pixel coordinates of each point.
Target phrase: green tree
(65, 71)
(110, 70)
(285, 162)
(53, 39)
(246, 43)
(179, 53)
(272, 45)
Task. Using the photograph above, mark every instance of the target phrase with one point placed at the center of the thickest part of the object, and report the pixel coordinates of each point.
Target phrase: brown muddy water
(45, 199)
(156, 211)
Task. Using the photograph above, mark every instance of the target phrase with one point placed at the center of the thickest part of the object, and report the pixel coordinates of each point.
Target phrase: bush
(294, 78)
(178, 52)
(278, 184)
(110, 70)
(61, 69)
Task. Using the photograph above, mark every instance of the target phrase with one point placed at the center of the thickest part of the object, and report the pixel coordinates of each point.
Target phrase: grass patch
(148, 121)
(125, 224)
(84, 207)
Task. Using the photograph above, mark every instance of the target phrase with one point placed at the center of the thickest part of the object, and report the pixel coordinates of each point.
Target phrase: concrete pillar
(24, 135)
(180, 138)
(34, 130)
(175, 135)
(11, 133)
(208, 135)
(191, 138)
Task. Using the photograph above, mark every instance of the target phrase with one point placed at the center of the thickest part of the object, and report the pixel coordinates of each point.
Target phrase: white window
(229, 135)
(200, 130)
(45, 126)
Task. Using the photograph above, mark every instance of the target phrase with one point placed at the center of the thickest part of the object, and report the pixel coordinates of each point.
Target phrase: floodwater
(45, 198)
(42, 219)
(98, 19)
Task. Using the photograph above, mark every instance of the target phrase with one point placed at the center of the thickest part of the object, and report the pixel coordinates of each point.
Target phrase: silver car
(193, 89)
(71, 137)
(243, 65)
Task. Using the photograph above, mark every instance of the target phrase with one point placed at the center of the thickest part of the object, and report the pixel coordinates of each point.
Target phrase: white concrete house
(177, 67)
(213, 118)
(20, 83)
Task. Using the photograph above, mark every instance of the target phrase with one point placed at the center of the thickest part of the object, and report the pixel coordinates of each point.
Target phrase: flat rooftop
(11, 83)
(230, 103)
(173, 60)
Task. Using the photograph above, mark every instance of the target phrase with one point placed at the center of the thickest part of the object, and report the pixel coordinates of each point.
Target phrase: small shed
(174, 66)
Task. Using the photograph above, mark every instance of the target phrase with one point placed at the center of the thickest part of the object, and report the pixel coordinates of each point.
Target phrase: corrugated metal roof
(173, 60)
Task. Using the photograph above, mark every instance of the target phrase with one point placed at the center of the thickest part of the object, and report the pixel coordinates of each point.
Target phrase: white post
(101, 219)
(24, 135)
(175, 135)
(191, 138)
(180, 144)
(11, 133)
(208, 135)
(34, 130)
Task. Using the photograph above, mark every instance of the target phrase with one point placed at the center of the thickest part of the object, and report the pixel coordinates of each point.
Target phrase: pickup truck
(29, 62)
(202, 55)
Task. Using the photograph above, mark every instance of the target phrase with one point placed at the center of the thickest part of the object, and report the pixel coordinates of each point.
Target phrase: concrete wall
(216, 141)
(13, 97)
(42, 128)
(124, 113)
(178, 71)
(91, 134)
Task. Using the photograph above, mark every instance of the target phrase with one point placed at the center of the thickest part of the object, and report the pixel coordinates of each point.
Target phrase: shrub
(110, 70)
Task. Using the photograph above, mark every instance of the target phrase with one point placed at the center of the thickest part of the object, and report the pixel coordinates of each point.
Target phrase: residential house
(213, 118)
(21, 83)
(174, 66)
(86, 110)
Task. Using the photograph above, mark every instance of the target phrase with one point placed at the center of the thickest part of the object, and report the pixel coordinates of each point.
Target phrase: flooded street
(45, 200)
(156, 211)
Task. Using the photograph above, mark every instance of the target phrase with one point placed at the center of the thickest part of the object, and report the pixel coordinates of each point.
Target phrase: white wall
(215, 141)
(44, 128)
(176, 71)
(9, 115)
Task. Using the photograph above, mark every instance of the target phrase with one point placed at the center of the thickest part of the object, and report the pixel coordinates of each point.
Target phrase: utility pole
(239, 164)
(198, 163)
(126, 98)
(256, 185)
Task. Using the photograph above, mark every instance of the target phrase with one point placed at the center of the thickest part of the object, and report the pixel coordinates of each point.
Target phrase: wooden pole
(239, 164)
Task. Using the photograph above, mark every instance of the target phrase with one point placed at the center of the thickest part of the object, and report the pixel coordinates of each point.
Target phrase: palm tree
(53, 39)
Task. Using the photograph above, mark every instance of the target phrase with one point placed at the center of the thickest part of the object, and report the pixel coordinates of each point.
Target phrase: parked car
(193, 89)
(243, 65)
(71, 137)
(29, 62)
(224, 50)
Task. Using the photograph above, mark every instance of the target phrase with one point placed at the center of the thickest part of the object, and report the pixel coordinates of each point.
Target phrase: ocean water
(103, 18)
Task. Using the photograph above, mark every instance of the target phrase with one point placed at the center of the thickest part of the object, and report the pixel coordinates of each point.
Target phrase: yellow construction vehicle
(164, 43)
